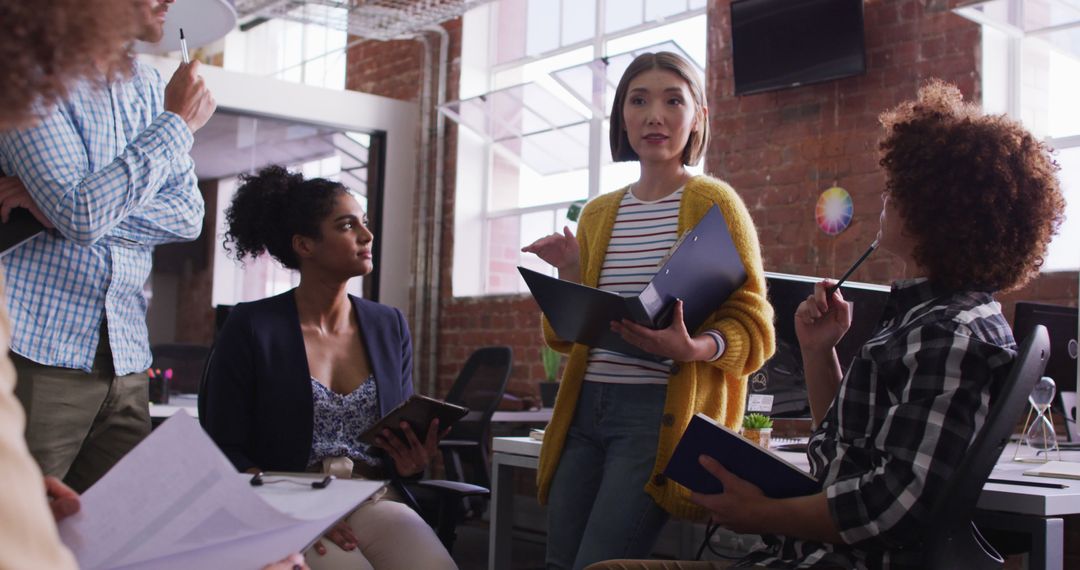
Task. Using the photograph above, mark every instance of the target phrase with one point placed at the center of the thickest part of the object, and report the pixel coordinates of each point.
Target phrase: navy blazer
(257, 399)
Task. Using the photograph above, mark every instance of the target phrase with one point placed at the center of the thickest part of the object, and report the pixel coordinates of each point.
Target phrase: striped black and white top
(640, 239)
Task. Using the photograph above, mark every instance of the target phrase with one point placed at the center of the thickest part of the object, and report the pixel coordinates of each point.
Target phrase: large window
(1031, 70)
(291, 50)
(538, 78)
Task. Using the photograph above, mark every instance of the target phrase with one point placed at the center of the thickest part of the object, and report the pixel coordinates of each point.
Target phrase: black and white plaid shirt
(904, 415)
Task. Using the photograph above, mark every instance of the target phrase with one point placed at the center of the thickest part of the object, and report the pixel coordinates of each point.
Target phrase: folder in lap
(703, 270)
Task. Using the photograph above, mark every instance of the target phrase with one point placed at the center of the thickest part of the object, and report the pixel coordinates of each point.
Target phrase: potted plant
(550, 386)
(757, 428)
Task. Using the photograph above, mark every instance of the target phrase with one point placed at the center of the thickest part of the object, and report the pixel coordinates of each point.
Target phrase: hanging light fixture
(203, 21)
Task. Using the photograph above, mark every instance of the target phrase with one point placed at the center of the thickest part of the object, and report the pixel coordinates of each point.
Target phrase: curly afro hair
(978, 193)
(272, 206)
(49, 44)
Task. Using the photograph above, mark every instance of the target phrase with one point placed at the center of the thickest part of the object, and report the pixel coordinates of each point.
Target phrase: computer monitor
(1061, 322)
(782, 375)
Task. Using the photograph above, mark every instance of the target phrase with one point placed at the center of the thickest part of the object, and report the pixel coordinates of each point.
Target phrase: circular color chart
(834, 209)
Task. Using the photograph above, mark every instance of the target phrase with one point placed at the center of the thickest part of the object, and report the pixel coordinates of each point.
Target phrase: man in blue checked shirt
(109, 171)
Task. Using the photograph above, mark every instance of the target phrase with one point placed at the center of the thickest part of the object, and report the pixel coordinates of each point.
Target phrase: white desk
(189, 403)
(541, 416)
(1033, 510)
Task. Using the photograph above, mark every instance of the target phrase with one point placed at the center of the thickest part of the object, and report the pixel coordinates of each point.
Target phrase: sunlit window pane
(1064, 94)
(542, 34)
(1063, 255)
(578, 20)
(622, 14)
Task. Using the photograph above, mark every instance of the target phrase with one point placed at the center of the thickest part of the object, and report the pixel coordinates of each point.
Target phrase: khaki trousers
(79, 425)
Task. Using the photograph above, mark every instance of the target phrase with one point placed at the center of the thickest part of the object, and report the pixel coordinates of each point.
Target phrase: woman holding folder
(295, 379)
(971, 203)
(618, 417)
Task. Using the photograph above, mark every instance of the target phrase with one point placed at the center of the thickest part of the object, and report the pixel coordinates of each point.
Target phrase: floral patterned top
(339, 421)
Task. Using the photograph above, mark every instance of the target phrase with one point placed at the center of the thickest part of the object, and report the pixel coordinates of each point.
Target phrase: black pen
(852, 269)
(1028, 483)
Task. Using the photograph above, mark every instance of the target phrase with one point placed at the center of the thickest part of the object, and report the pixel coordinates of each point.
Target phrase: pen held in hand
(852, 269)
(183, 47)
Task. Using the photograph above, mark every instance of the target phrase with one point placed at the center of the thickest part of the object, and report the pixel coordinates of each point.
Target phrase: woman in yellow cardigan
(618, 418)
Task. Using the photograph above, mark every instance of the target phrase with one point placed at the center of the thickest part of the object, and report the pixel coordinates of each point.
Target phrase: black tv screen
(786, 43)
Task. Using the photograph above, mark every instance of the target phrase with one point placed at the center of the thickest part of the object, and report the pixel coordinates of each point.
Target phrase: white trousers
(391, 536)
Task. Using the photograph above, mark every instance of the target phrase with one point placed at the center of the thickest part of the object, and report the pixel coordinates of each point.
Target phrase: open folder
(703, 269)
(175, 502)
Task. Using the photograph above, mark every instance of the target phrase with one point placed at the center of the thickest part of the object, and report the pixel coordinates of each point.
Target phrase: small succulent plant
(756, 421)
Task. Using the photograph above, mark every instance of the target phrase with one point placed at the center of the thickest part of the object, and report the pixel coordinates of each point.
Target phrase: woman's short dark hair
(621, 151)
(979, 193)
(272, 206)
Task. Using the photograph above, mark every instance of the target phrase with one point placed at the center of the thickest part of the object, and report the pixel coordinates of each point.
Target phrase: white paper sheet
(176, 501)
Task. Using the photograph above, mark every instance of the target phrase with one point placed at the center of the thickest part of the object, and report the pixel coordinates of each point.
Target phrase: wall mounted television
(778, 44)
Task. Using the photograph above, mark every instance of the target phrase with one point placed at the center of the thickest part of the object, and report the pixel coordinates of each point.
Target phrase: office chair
(952, 539)
(186, 361)
(479, 387)
(443, 501)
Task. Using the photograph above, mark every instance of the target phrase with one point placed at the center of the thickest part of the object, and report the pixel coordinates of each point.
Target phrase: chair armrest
(458, 443)
(455, 488)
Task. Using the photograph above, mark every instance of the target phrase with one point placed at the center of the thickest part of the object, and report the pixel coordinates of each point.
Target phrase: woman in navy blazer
(294, 379)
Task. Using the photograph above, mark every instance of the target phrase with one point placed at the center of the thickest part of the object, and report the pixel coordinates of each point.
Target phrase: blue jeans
(597, 506)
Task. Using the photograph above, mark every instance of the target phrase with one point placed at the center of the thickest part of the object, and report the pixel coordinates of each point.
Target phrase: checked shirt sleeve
(174, 214)
(936, 380)
(51, 160)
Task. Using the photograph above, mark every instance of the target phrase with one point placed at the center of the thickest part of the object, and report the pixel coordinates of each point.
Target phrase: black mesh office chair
(479, 386)
(952, 539)
(186, 361)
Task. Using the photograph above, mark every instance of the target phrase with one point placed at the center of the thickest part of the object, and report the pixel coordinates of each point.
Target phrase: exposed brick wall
(392, 69)
(780, 150)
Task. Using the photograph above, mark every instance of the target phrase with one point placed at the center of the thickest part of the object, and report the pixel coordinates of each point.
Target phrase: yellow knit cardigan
(715, 388)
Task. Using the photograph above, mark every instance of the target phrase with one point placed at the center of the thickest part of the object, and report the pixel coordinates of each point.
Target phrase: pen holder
(760, 436)
(159, 389)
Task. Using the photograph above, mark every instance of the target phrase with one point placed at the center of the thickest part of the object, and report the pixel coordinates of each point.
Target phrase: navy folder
(703, 269)
(776, 478)
(19, 229)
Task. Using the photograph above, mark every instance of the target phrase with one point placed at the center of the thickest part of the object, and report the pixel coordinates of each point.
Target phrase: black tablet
(20, 228)
(418, 411)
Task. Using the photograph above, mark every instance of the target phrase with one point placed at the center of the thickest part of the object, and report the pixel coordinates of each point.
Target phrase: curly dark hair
(49, 44)
(978, 193)
(272, 206)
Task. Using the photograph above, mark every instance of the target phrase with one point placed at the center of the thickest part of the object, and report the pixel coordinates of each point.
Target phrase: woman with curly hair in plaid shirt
(970, 204)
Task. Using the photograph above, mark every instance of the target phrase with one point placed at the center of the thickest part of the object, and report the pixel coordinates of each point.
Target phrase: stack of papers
(175, 501)
(1061, 469)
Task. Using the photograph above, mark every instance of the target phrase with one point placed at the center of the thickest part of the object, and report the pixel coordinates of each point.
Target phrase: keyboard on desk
(797, 444)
